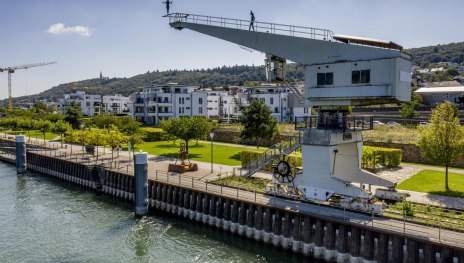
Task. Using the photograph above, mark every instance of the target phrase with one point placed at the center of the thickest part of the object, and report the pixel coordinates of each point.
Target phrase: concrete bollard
(141, 183)
(21, 166)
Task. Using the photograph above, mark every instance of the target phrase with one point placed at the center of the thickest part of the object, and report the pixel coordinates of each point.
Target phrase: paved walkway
(161, 163)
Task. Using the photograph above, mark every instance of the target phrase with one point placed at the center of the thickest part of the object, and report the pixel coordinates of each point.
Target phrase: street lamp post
(211, 136)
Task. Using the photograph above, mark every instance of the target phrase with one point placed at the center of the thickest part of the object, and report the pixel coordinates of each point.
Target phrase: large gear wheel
(283, 172)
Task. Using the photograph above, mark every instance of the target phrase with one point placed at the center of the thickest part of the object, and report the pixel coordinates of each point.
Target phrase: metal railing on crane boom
(12, 69)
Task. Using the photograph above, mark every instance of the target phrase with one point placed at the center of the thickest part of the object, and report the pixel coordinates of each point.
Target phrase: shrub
(153, 134)
(294, 159)
(407, 208)
(383, 156)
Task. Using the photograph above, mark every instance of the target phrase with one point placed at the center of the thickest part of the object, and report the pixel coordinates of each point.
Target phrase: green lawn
(433, 182)
(33, 134)
(250, 183)
(223, 154)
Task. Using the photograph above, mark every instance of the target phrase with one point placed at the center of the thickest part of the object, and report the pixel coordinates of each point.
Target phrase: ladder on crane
(12, 69)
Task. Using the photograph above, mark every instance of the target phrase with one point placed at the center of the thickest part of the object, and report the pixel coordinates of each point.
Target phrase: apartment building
(90, 105)
(284, 105)
(159, 103)
(116, 105)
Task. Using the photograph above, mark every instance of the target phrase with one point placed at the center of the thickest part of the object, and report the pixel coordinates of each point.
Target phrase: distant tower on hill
(101, 75)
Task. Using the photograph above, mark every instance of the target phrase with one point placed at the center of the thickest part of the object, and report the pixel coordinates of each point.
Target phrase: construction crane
(12, 69)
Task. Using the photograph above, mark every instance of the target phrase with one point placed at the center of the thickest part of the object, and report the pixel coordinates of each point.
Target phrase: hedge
(383, 156)
(246, 156)
(153, 134)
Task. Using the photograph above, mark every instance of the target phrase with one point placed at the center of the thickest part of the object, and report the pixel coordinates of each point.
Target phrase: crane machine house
(340, 71)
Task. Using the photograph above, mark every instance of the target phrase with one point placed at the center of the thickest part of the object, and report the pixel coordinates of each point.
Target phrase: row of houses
(157, 103)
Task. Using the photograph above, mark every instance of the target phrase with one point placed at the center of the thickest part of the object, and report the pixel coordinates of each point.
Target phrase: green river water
(45, 220)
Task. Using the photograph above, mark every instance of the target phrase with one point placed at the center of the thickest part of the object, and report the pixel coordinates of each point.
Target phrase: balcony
(345, 123)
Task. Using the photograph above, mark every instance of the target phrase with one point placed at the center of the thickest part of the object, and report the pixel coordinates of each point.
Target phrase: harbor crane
(340, 71)
(12, 69)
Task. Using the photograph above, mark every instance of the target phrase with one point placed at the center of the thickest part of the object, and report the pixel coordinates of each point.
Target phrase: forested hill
(216, 77)
(453, 52)
(225, 75)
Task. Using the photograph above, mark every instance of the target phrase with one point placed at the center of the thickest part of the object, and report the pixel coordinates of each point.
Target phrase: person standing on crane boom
(252, 21)
(168, 3)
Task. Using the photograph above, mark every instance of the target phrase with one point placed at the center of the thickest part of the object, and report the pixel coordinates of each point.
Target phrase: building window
(434, 96)
(276, 110)
(200, 100)
(361, 76)
(272, 101)
(200, 110)
(325, 79)
(447, 95)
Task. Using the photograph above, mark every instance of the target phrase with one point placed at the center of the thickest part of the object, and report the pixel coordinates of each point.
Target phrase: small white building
(91, 105)
(433, 95)
(159, 103)
(116, 105)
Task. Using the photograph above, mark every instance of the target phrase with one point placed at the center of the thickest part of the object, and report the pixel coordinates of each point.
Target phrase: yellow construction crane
(12, 70)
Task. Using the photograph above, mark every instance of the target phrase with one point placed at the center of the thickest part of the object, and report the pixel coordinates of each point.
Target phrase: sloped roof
(440, 90)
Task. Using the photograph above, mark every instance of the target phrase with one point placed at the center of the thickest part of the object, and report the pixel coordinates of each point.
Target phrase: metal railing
(433, 230)
(346, 123)
(284, 148)
(295, 31)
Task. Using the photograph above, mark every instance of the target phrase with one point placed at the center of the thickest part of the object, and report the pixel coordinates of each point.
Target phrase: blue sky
(124, 38)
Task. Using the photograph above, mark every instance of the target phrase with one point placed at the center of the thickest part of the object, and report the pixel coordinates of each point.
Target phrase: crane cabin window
(324, 79)
(361, 76)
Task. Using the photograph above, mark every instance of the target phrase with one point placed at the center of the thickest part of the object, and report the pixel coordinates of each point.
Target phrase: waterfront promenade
(199, 181)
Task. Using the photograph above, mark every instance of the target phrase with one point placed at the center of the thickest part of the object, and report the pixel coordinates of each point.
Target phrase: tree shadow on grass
(449, 193)
(176, 155)
(236, 157)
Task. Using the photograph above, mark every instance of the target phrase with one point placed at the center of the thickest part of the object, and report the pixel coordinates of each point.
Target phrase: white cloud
(59, 28)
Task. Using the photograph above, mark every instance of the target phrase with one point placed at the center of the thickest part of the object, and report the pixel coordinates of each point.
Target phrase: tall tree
(258, 122)
(74, 115)
(443, 140)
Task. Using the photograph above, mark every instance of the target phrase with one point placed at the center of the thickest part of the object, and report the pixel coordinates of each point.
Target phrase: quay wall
(309, 234)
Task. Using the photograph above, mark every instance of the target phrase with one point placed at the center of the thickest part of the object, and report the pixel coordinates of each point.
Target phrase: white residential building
(158, 103)
(90, 104)
(285, 105)
(116, 105)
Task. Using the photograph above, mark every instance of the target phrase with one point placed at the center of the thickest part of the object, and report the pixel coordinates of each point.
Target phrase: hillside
(453, 52)
(221, 76)
(208, 78)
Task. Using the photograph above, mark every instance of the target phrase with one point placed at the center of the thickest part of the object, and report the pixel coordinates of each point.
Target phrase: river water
(46, 220)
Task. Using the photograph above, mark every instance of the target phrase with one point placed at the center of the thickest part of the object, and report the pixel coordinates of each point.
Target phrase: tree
(115, 138)
(74, 115)
(408, 112)
(258, 123)
(443, 140)
(187, 129)
(44, 127)
(61, 127)
(135, 134)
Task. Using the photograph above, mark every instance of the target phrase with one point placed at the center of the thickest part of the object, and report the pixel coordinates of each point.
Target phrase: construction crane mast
(12, 69)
